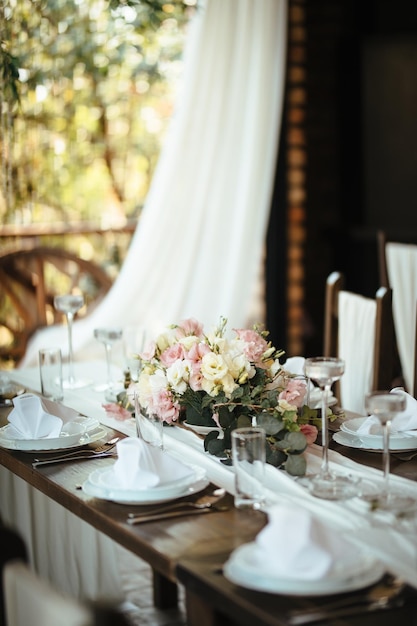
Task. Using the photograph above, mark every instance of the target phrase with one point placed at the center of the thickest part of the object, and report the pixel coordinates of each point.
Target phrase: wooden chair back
(29, 280)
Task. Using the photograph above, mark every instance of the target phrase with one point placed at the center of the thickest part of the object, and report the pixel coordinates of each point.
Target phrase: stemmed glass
(108, 336)
(69, 304)
(326, 484)
(385, 405)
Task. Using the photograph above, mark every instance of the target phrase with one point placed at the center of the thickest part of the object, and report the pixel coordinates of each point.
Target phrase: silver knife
(348, 611)
(66, 459)
(170, 514)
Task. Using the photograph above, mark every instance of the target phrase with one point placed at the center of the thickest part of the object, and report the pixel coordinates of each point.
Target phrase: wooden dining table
(193, 549)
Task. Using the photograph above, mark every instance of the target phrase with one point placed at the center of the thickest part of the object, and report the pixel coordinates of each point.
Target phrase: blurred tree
(86, 91)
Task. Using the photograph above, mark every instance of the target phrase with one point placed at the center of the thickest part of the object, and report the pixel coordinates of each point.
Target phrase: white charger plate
(242, 569)
(398, 441)
(351, 441)
(95, 487)
(93, 432)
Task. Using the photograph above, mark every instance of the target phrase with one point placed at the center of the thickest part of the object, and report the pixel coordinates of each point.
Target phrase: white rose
(213, 366)
(229, 385)
(178, 375)
(189, 341)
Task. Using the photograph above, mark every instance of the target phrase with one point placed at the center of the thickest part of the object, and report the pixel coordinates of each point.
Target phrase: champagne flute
(108, 336)
(385, 405)
(69, 304)
(327, 484)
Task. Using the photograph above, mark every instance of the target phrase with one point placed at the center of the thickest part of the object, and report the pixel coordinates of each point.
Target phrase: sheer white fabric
(356, 337)
(75, 557)
(402, 275)
(198, 246)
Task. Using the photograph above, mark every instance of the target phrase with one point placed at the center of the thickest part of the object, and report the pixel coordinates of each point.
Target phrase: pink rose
(295, 392)
(255, 346)
(310, 432)
(196, 377)
(197, 351)
(117, 411)
(149, 352)
(190, 327)
(164, 407)
(172, 354)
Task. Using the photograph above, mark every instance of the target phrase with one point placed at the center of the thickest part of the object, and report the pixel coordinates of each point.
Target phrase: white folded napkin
(294, 544)
(295, 365)
(404, 422)
(30, 419)
(140, 466)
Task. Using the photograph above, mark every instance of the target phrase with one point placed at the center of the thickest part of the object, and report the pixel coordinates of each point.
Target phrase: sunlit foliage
(83, 123)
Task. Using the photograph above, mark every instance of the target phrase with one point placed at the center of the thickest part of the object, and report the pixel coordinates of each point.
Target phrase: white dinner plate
(202, 430)
(398, 441)
(92, 433)
(95, 487)
(244, 570)
(351, 441)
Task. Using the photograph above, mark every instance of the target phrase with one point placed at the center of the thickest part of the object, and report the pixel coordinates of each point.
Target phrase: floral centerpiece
(228, 382)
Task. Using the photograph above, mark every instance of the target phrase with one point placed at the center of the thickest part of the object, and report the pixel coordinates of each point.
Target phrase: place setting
(297, 554)
(144, 474)
(41, 425)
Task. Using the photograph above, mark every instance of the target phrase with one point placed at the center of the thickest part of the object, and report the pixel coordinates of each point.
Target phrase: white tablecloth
(395, 544)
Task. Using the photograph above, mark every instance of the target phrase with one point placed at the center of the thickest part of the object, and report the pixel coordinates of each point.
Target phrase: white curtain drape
(198, 246)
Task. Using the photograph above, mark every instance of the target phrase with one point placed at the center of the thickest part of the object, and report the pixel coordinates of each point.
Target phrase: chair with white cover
(30, 599)
(360, 331)
(398, 271)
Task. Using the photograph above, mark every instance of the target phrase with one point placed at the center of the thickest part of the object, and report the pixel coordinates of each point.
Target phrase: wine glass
(385, 405)
(69, 304)
(327, 484)
(133, 341)
(108, 336)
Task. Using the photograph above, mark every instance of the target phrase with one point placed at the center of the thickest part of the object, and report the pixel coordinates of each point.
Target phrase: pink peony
(295, 392)
(173, 353)
(190, 327)
(310, 432)
(255, 346)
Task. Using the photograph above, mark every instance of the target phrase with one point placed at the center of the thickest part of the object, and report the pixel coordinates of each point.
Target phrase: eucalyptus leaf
(270, 424)
(216, 447)
(296, 442)
(296, 465)
(275, 457)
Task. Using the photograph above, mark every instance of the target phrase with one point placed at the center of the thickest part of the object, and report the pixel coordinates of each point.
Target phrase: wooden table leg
(165, 592)
(201, 613)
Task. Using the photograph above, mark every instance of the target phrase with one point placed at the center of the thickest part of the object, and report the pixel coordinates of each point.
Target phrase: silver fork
(104, 447)
(205, 502)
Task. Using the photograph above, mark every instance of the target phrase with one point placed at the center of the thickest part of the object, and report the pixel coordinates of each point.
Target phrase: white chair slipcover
(356, 339)
(402, 274)
(31, 601)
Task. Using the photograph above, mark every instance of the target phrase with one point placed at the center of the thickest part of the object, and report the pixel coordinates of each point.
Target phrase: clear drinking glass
(327, 484)
(69, 304)
(108, 336)
(385, 405)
